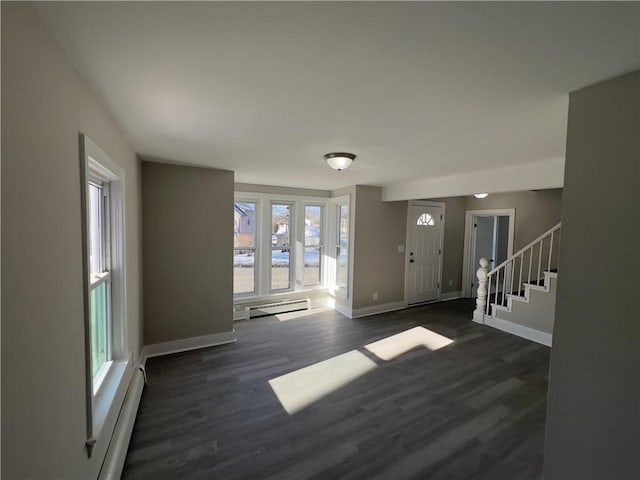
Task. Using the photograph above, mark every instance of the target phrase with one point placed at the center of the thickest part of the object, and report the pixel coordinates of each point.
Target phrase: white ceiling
(425, 94)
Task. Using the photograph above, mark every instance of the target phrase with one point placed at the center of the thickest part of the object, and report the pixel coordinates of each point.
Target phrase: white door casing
(424, 251)
(468, 267)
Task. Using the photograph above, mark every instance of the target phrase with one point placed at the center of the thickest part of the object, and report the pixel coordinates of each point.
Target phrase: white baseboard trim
(450, 296)
(376, 309)
(519, 330)
(478, 317)
(343, 309)
(185, 344)
(239, 315)
(119, 443)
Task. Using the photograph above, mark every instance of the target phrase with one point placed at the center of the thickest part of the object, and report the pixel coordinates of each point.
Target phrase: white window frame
(256, 245)
(301, 257)
(467, 262)
(293, 221)
(334, 231)
(263, 202)
(105, 392)
(104, 276)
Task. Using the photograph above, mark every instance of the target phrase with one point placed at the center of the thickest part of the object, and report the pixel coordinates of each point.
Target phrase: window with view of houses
(244, 244)
(279, 245)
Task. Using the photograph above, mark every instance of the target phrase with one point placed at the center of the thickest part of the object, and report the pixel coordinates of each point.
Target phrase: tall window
(312, 244)
(280, 246)
(99, 276)
(342, 248)
(105, 321)
(244, 244)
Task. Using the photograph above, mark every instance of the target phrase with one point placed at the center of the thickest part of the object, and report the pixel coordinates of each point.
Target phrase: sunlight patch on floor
(392, 347)
(283, 317)
(299, 389)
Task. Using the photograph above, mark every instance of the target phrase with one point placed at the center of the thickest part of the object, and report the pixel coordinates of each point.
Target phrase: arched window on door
(426, 220)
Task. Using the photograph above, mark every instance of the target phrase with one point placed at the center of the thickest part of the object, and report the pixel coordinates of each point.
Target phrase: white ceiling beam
(531, 176)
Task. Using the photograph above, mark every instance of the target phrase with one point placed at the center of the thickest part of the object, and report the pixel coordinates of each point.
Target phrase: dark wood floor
(473, 409)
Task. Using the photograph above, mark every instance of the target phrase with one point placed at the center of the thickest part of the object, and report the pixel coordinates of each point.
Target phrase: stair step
(495, 306)
(547, 274)
(518, 298)
(520, 310)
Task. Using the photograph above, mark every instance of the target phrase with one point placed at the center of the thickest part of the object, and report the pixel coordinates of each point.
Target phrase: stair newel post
(481, 300)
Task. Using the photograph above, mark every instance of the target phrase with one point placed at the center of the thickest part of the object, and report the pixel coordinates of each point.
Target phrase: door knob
(411, 261)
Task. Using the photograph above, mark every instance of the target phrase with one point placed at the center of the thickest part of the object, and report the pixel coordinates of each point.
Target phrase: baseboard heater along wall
(119, 444)
(285, 306)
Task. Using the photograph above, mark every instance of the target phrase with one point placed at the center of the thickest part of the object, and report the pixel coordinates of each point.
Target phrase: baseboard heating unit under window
(285, 306)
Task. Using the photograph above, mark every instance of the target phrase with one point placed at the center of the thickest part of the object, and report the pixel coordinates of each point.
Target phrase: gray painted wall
(453, 248)
(377, 265)
(539, 312)
(44, 107)
(536, 212)
(592, 418)
(187, 251)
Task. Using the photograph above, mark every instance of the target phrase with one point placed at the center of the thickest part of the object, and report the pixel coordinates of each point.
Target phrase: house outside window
(281, 221)
(279, 244)
(244, 245)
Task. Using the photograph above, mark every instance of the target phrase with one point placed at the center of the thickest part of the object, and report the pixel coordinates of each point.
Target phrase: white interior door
(484, 233)
(502, 247)
(423, 253)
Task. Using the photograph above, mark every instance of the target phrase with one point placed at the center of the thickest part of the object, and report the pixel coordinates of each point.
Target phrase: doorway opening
(488, 234)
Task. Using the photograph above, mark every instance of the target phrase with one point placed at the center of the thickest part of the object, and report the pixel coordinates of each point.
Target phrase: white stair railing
(527, 263)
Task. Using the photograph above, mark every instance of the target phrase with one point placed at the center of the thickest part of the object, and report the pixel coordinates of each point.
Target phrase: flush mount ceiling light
(480, 195)
(339, 160)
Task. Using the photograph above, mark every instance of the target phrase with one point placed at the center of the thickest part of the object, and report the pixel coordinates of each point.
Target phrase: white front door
(423, 253)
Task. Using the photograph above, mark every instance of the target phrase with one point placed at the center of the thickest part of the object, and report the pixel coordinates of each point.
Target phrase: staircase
(519, 295)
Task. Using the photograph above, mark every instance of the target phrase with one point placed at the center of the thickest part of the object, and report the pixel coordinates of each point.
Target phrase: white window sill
(107, 392)
(99, 377)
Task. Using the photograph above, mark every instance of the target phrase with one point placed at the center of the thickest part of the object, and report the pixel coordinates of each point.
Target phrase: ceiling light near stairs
(480, 195)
